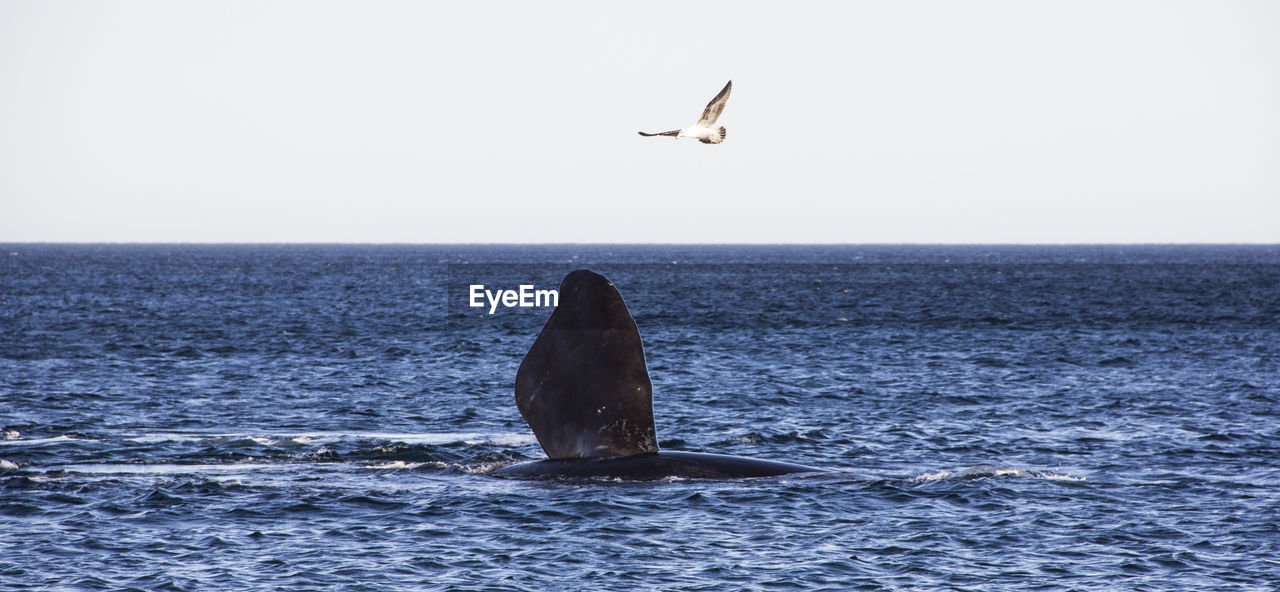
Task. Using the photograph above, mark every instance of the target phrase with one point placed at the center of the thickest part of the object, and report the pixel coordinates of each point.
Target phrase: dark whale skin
(583, 387)
(652, 466)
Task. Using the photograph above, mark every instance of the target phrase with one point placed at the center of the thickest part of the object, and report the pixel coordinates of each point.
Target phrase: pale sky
(849, 122)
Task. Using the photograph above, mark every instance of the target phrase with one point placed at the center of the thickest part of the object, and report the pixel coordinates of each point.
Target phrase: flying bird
(702, 130)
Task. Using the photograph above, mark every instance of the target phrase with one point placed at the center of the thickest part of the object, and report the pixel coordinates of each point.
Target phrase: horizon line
(653, 244)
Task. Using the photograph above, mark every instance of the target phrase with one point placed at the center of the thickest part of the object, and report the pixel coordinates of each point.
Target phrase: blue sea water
(324, 417)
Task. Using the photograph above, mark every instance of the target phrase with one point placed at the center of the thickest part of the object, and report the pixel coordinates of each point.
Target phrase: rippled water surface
(325, 418)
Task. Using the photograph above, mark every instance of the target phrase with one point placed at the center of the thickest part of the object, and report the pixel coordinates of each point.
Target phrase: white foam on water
(39, 441)
(470, 438)
(173, 469)
(483, 468)
(1056, 477)
(504, 440)
(982, 471)
(398, 464)
(307, 438)
(166, 437)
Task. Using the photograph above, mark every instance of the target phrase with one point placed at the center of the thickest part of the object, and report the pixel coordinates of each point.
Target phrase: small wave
(39, 441)
(1117, 361)
(173, 468)
(400, 464)
(507, 440)
(985, 471)
(484, 468)
(1058, 477)
(791, 437)
(166, 437)
(310, 438)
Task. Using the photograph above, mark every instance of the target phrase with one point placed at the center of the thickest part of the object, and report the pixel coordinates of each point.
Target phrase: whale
(584, 390)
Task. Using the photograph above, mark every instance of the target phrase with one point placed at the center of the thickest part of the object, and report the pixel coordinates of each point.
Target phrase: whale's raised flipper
(583, 387)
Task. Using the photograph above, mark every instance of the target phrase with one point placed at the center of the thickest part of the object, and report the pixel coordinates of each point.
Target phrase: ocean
(325, 417)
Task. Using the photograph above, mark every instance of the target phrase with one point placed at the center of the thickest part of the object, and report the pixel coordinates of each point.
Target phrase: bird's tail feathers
(716, 139)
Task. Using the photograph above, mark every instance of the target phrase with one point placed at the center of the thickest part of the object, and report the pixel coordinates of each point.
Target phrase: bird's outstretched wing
(670, 133)
(715, 107)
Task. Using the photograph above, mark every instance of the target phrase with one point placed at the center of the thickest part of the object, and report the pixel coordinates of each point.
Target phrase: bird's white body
(704, 133)
(704, 130)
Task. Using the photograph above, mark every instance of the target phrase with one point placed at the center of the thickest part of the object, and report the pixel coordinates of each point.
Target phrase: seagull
(702, 130)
